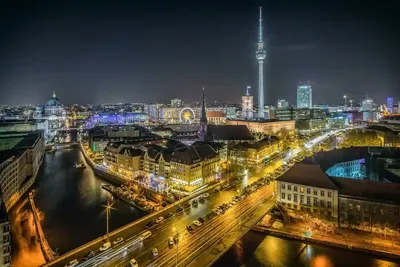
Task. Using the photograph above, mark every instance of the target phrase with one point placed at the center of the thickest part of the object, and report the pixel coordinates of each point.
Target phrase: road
(190, 245)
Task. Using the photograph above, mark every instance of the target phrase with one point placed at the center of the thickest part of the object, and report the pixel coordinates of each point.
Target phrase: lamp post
(108, 210)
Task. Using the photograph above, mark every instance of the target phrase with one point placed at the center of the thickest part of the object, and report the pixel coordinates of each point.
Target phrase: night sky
(153, 51)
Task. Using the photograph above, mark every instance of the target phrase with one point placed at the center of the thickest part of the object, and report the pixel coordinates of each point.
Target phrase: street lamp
(108, 210)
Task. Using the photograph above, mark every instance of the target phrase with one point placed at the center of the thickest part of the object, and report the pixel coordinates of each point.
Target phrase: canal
(71, 203)
(257, 249)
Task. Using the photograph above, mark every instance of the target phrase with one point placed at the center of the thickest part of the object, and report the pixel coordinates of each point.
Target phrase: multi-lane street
(190, 244)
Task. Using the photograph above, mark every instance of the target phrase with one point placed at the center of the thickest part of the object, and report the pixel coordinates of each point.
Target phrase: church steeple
(203, 118)
(54, 93)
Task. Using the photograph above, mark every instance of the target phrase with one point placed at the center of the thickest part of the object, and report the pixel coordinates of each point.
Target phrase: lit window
(301, 189)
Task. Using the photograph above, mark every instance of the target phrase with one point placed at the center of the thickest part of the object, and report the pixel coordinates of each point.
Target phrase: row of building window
(308, 190)
(316, 203)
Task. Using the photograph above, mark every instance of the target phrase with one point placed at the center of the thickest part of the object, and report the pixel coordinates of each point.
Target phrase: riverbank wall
(333, 242)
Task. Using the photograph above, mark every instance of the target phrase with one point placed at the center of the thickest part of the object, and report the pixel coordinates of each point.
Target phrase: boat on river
(80, 165)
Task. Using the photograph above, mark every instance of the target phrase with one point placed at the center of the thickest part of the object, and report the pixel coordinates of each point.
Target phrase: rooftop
(309, 175)
(366, 189)
(267, 141)
(229, 132)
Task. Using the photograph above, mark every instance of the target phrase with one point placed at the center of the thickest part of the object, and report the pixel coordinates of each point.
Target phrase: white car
(118, 241)
(197, 223)
(205, 195)
(170, 241)
(154, 251)
(134, 263)
(105, 246)
(72, 263)
(159, 219)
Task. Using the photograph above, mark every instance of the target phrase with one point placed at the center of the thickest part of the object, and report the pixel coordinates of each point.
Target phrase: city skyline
(106, 55)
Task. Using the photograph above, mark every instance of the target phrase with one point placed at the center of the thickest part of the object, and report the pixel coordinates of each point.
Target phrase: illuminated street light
(108, 209)
(345, 100)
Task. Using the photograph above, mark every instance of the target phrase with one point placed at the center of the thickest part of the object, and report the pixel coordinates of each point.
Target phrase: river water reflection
(257, 249)
(72, 202)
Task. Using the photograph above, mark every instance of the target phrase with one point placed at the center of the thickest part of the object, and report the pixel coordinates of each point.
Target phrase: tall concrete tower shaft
(260, 55)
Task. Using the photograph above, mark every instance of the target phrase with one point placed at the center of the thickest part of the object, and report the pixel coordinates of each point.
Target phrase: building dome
(54, 101)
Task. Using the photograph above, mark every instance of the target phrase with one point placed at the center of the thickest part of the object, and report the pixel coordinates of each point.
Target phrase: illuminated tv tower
(260, 55)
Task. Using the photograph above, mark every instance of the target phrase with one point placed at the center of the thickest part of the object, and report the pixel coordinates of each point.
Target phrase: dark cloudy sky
(152, 52)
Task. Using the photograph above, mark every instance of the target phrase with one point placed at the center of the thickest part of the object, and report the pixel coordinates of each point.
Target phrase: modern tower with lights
(260, 55)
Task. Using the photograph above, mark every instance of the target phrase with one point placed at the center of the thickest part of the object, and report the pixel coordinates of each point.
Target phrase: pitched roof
(131, 152)
(229, 132)
(215, 113)
(366, 189)
(310, 175)
(267, 141)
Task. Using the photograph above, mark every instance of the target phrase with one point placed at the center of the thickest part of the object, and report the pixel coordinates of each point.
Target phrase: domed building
(53, 107)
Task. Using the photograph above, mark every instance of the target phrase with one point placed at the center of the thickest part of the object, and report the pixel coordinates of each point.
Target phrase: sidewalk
(343, 238)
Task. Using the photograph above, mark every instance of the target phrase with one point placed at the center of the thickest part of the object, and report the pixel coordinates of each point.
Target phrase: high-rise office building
(247, 105)
(176, 103)
(367, 104)
(282, 103)
(390, 104)
(304, 96)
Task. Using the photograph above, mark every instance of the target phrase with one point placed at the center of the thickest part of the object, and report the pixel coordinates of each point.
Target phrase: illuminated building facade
(153, 110)
(304, 96)
(252, 154)
(282, 103)
(390, 104)
(270, 127)
(53, 107)
(260, 55)
(367, 104)
(247, 105)
(19, 163)
(176, 103)
(5, 237)
(167, 161)
(216, 117)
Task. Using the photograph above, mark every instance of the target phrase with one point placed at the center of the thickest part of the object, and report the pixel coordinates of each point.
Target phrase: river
(257, 249)
(71, 202)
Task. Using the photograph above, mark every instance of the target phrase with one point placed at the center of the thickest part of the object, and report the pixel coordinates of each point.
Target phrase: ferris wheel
(186, 115)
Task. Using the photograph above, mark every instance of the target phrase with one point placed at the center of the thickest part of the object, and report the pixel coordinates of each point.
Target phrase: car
(197, 223)
(179, 209)
(189, 229)
(89, 255)
(168, 215)
(118, 241)
(268, 182)
(194, 203)
(133, 263)
(201, 220)
(205, 195)
(201, 198)
(154, 251)
(159, 219)
(164, 204)
(149, 225)
(145, 235)
(72, 263)
(171, 241)
(187, 206)
(105, 246)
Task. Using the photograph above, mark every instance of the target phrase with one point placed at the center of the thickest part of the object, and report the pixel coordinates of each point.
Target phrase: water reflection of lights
(321, 261)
